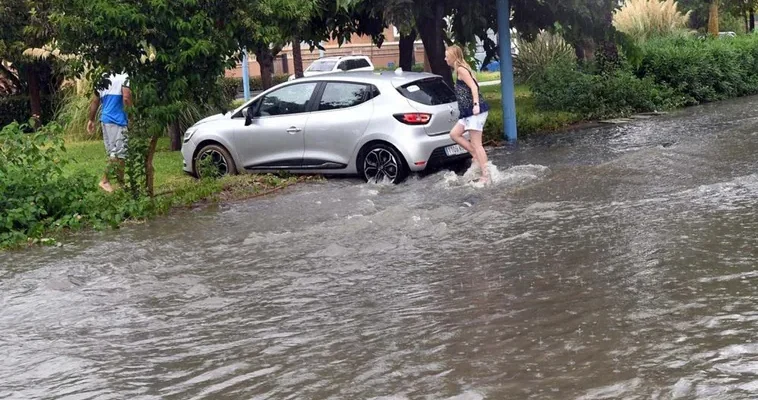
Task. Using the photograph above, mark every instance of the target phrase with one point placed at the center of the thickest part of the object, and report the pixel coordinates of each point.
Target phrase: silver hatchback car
(378, 125)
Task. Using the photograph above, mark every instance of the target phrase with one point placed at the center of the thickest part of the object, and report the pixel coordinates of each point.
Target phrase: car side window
(343, 66)
(292, 99)
(361, 63)
(339, 95)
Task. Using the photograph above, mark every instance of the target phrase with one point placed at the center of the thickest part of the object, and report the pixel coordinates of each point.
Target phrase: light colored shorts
(474, 122)
(114, 137)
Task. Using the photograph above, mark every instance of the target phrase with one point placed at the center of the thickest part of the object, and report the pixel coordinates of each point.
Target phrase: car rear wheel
(214, 160)
(381, 162)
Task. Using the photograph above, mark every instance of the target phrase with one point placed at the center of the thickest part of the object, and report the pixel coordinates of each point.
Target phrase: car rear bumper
(439, 158)
(429, 152)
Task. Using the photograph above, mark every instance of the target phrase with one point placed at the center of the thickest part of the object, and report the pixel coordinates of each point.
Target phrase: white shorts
(474, 122)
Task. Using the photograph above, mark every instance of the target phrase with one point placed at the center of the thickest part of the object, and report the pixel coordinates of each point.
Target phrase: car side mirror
(248, 116)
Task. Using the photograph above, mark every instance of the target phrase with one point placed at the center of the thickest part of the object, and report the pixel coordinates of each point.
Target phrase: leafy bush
(644, 19)
(37, 197)
(534, 57)
(34, 194)
(703, 70)
(233, 86)
(18, 109)
(565, 87)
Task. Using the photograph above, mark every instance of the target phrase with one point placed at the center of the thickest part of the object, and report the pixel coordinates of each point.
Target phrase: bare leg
(457, 135)
(481, 155)
(118, 165)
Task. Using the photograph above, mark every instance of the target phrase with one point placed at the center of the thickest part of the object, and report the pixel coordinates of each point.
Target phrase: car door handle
(293, 130)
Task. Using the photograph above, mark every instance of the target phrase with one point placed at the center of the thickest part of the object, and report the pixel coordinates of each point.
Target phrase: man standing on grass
(114, 99)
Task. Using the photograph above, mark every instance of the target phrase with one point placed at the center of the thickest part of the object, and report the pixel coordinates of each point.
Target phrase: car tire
(220, 158)
(381, 161)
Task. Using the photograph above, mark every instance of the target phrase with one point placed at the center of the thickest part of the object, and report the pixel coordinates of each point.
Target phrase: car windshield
(322, 66)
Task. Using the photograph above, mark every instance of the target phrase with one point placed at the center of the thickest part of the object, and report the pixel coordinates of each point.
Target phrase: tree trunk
(297, 55)
(176, 136)
(713, 18)
(432, 33)
(149, 170)
(265, 59)
(752, 20)
(585, 49)
(407, 50)
(34, 94)
(747, 22)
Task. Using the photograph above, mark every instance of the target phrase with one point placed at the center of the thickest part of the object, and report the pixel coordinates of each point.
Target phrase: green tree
(174, 52)
(743, 9)
(25, 30)
(270, 25)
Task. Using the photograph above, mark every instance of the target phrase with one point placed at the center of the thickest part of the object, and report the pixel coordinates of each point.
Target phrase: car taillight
(414, 118)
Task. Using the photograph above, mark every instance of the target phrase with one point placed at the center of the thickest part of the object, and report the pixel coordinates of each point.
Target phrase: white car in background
(328, 65)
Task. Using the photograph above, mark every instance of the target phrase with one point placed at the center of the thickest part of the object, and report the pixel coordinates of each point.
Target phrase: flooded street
(618, 262)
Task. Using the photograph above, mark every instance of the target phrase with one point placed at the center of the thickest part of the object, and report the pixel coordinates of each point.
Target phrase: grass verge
(529, 119)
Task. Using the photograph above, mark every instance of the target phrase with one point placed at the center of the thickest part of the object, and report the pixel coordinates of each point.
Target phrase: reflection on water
(613, 263)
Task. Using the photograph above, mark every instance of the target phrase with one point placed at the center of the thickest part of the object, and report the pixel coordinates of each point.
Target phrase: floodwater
(618, 262)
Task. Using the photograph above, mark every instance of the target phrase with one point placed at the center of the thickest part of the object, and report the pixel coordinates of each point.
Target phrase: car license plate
(454, 150)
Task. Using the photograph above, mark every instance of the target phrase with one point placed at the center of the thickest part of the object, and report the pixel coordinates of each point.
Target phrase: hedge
(671, 73)
(233, 86)
(18, 108)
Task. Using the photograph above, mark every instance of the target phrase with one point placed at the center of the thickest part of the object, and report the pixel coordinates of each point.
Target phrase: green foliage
(565, 87)
(17, 108)
(534, 56)
(703, 70)
(35, 196)
(529, 119)
(173, 52)
(233, 86)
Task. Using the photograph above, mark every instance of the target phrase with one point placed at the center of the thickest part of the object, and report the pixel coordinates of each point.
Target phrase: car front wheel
(214, 160)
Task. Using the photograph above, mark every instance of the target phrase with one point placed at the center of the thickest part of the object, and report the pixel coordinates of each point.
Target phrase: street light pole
(245, 76)
(506, 71)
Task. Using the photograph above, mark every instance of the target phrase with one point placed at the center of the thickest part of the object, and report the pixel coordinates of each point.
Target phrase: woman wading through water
(473, 110)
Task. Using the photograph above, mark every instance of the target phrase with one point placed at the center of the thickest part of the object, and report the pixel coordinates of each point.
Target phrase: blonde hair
(456, 54)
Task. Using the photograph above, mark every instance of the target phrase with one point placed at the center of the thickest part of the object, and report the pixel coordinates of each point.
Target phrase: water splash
(516, 175)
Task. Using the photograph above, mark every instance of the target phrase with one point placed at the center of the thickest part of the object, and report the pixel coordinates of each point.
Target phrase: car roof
(374, 77)
(337, 58)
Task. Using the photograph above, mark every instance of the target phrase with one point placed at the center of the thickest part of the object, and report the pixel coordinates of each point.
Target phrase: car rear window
(430, 92)
(321, 66)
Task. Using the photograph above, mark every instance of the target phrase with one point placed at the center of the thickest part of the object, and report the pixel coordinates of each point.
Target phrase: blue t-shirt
(112, 101)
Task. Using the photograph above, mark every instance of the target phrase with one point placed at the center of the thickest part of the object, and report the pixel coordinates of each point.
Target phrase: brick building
(386, 56)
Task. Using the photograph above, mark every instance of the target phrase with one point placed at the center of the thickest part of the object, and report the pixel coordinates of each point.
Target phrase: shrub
(565, 87)
(544, 50)
(34, 194)
(233, 86)
(703, 70)
(37, 197)
(643, 19)
(18, 109)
